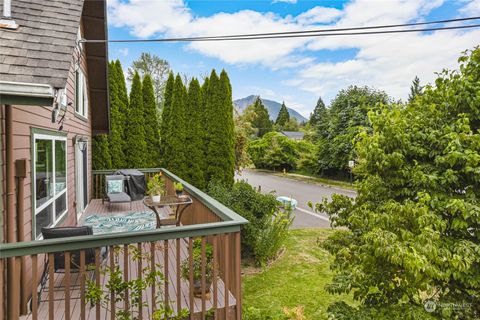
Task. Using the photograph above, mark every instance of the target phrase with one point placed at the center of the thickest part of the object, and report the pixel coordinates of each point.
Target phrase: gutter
(18, 93)
(8, 88)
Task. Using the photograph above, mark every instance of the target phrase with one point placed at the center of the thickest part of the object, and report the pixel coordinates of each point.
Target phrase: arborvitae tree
(152, 133)
(136, 147)
(101, 154)
(283, 116)
(176, 137)
(165, 126)
(228, 147)
(194, 131)
(117, 118)
(262, 119)
(415, 89)
(220, 157)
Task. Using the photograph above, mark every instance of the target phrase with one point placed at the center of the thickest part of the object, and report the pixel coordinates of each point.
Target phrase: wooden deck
(178, 289)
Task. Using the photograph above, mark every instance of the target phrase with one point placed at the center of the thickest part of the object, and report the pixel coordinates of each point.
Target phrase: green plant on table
(156, 185)
(178, 187)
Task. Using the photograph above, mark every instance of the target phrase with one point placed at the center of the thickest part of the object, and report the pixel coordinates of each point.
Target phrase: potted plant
(156, 187)
(197, 268)
(178, 188)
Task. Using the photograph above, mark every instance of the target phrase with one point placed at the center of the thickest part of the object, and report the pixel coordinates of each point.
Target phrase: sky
(300, 70)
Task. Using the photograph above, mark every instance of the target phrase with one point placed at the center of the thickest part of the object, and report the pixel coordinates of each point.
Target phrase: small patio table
(181, 203)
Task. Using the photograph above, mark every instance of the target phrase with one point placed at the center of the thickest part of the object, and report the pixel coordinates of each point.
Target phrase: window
(81, 94)
(49, 180)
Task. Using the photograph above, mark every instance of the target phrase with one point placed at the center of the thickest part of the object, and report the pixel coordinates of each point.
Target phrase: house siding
(26, 118)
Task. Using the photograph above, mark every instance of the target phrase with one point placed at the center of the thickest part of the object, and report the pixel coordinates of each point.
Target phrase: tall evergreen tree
(194, 144)
(319, 118)
(228, 146)
(318, 112)
(165, 125)
(136, 147)
(176, 136)
(117, 119)
(220, 157)
(415, 89)
(152, 133)
(261, 120)
(101, 154)
(283, 116)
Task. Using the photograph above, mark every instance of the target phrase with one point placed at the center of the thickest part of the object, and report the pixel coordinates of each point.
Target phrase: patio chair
(115, 190)
(59, 257)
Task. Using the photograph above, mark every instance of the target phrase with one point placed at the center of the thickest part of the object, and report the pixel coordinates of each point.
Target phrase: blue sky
(296, 71)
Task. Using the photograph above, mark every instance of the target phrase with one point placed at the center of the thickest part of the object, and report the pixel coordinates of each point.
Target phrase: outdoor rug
(135, 221)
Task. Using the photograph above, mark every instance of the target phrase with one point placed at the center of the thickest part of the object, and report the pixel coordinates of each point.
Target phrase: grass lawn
(296, 279)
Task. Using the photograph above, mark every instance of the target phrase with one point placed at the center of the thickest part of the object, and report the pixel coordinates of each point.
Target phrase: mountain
(273, 107)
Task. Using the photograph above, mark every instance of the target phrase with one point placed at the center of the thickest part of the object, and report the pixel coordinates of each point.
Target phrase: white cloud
(287, 1)
(472, 8)
(388, 62)
(123, 51)
(318, 15)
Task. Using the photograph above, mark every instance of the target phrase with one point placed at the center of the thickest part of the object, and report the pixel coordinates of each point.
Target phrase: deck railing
(217, 227)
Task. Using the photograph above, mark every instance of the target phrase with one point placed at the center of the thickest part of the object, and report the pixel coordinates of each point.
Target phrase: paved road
(299, 190)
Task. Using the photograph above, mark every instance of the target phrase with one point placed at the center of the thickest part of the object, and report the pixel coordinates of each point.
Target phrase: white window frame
(53, 138)
(81, 93)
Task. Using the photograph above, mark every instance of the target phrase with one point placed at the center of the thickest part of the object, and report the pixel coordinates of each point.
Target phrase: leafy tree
(165, 124)
(194, 145)
(413, 232)
(347, 117)
(262, 119)
(152, 133)
(283, 116)
(135, 146)
(415, 89)
(243, 133)
(291, 125)
(273, 151)
(117, 117)
(175, 137)
(101, 154)
(158, 69)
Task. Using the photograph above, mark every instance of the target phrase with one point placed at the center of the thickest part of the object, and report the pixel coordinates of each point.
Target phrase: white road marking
(316, 215)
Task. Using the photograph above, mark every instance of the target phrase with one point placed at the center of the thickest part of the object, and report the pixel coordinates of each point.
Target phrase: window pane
(43, 219)
(60, 205)
(43, 171)
(78, 91)
(60, 166)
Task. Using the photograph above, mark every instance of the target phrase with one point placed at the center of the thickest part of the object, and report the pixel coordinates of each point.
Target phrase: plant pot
(197, 288)
(178, 193)
(156, 198)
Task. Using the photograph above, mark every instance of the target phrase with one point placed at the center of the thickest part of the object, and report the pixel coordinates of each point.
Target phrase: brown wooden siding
(24, 119)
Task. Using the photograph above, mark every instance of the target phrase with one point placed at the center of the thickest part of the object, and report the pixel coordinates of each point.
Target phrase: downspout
(13, 284)
(20, 174)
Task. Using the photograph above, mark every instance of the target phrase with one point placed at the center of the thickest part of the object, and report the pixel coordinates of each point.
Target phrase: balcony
(66, 295)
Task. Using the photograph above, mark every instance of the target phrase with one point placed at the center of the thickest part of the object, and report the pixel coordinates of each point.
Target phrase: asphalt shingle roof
(293, 134)
(40, 50)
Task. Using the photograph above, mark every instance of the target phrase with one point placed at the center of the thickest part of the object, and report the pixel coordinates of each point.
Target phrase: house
(294, 135)
(54, 98)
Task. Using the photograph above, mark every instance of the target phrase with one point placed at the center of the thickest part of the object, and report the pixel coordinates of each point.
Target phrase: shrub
(268, 225)
(274, 151)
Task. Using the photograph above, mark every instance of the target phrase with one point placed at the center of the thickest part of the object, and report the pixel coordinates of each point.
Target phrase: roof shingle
(40, 50)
